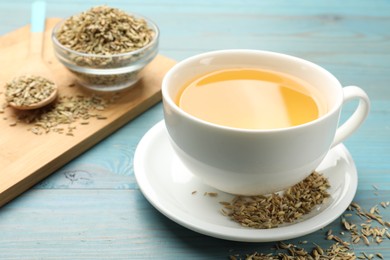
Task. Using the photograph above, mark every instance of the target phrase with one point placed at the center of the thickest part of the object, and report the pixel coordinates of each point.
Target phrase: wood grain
(27, 158)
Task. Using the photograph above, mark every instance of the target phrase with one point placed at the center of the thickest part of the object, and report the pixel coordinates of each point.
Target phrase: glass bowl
(107, 72)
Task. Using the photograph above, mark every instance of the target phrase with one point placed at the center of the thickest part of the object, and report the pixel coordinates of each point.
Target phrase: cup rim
(167, 98)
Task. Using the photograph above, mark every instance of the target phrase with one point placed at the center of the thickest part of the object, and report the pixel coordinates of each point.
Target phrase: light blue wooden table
(92, 208)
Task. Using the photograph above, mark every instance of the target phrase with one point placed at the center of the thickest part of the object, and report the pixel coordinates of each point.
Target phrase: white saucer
(168, 186)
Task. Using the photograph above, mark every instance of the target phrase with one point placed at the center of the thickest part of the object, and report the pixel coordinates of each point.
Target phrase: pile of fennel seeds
(270, 211)
(359, 226)
(61, 116)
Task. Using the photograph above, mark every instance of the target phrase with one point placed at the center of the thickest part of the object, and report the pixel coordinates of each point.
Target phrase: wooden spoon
(34, 63)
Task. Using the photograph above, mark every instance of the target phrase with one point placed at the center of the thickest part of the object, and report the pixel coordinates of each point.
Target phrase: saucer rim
(231, 233)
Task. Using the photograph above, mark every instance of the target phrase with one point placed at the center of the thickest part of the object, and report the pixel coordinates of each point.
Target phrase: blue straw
(38, 16)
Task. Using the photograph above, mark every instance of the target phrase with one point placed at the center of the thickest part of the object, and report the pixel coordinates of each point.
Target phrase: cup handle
(357, 118)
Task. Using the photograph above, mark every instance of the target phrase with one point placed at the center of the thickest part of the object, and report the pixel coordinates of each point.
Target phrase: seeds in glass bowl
(105, 47)
(104, 30)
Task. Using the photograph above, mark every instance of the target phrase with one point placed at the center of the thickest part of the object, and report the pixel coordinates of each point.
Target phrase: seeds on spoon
(27, 90)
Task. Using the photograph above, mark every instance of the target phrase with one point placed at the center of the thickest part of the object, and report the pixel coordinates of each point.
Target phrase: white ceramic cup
(250, 162)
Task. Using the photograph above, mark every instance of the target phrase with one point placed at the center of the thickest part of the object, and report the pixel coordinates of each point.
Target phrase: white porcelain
(168, 185)
(252, 162)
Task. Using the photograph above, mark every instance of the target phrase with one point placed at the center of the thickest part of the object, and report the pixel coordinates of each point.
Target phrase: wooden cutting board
(26, 158)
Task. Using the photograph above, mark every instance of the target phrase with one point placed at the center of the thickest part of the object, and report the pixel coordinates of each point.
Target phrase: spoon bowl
(39, 104)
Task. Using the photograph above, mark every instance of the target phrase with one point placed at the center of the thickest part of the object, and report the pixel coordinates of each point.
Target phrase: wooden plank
(121, 224)
(27, 158)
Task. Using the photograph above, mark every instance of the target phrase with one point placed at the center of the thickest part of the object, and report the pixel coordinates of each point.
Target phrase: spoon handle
(38, 17)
